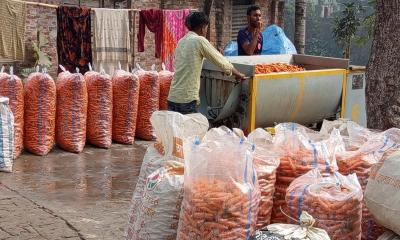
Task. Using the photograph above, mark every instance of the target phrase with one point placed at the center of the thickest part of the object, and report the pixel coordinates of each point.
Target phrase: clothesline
(56, 6)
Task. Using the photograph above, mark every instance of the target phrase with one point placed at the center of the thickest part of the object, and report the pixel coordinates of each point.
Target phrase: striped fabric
(12, 29)
(6, 136)
(189, 56)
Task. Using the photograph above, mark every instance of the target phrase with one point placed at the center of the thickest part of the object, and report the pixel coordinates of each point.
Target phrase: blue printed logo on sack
(153, 180)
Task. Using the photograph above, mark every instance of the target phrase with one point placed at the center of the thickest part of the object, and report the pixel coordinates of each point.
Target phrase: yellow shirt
(189, 56)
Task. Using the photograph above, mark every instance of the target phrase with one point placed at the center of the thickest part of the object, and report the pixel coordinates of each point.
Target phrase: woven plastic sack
(173, 131)
(362, 162)
(100, 109)
(334, 200)
(301, 152)
(382, 195)
(72, 101)
(11, 86)
(40, 113)
(6, 136)
(125, 109)
(158, 211)
(149, 95)
(221, 195)
(266, 160)
(165, 78)
(305, 230)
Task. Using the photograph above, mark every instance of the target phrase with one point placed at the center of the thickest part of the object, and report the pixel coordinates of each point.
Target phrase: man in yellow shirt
(189, 55)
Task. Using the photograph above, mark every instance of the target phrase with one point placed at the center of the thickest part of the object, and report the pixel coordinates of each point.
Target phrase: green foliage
(347, 25)
(41, 58)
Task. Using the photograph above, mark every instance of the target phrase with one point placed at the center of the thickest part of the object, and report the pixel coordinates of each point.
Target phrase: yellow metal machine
(328, 89)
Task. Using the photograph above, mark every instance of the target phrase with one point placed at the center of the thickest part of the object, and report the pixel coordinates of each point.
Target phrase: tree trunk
(281, 14)
(300, 26)
(383, 70)
(207, 10)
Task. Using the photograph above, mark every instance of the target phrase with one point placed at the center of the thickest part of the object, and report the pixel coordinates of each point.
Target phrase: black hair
(252, 9)
(195, 20)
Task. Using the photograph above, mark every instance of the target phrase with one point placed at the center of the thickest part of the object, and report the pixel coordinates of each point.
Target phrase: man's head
(254, 16)
(197, 22)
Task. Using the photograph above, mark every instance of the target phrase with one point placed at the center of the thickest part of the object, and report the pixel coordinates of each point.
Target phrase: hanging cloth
(74, 38)
(112, 42)
(174, 29)
(12, 29)
(153, 19)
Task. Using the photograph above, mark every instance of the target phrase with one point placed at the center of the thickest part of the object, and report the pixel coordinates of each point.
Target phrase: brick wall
(44, 18)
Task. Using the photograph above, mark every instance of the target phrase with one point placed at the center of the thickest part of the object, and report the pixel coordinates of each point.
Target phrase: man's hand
(238, 75)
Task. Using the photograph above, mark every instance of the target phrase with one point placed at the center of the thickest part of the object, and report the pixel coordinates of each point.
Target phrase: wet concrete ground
(70, 196)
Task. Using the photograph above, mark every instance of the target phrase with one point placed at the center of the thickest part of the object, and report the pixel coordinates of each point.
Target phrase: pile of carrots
(214, 209)
(100, 107)
(72, 100)
(40, 113)
(126, 93)
(277, 67)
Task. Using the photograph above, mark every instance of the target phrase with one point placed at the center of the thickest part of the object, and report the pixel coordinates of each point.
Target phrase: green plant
(41, 58)
(347, 25)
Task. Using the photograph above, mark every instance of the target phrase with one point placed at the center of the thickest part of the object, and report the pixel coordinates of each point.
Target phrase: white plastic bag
(158, 211)
(304, 231)
(6, 136)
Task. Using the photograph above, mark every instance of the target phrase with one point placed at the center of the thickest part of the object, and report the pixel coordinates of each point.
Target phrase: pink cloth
(173, 30)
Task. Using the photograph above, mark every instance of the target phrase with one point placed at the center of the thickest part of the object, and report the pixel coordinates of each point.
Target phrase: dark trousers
(183, 108)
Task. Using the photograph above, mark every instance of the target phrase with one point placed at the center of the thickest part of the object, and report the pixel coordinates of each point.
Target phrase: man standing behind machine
(250, 39)
(189, 55)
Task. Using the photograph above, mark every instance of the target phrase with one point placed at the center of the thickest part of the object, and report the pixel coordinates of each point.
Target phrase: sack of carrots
(300, 154)
(158, 211)
(276, 68)
(125, 106)
(12, 87)
(165, 77)
(362, 162)
(221, 193)
(100, 108)
(6, 136)
(266, 161)
(173, 131)
(72, 100)
(39, 113)
(149, 98)
(334, 200)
